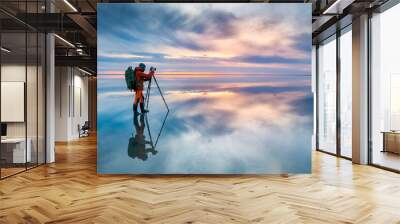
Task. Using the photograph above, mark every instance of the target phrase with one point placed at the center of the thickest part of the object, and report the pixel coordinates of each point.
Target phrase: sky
(205, 39)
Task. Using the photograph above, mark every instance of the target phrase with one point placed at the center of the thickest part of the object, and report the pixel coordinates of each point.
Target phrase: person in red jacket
(140, 78)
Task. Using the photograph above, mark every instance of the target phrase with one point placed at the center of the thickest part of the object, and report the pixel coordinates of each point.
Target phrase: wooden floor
(387, 159)
(70, 191)
(5, 172)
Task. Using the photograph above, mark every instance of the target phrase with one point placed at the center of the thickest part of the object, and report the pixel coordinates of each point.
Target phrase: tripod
(147, 97)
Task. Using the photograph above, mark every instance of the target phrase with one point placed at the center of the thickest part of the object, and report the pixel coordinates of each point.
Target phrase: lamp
(64, 40)
(70, 5)
(5, 50)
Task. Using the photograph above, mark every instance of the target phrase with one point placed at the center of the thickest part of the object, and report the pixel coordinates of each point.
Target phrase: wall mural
(201, 88)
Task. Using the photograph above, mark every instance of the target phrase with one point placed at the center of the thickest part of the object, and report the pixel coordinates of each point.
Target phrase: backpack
(130, 78)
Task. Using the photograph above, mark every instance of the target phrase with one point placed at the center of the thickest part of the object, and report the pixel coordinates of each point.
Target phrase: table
(391, 141)
(19, 155)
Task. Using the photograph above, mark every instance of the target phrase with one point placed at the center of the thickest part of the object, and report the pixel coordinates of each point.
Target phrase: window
(346, 92)
(329, 113)
(22, 87)
(385, 89)
(327, 95)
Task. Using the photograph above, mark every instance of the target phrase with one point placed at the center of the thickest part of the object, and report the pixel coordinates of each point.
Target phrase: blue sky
(228, 38)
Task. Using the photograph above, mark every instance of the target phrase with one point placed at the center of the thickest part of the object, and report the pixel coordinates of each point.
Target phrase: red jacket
(140, 77)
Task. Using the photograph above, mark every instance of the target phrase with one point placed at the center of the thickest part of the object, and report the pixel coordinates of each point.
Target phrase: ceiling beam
(337, 7)
(78, 61)
(88, 29)
(49, 22)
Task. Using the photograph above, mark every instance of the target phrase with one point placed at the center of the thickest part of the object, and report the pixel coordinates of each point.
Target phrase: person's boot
(135, 108)
(142, 108)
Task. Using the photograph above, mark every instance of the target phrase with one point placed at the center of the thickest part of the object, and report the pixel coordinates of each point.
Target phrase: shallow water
(225, 124)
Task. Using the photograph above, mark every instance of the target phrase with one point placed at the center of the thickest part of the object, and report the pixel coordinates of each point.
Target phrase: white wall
(17, 73)
(14, 73)
(62, 82)
(70, 84)
(79, 115)
(13, 100)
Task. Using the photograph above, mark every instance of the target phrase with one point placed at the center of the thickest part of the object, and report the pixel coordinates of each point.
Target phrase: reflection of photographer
(137, 144)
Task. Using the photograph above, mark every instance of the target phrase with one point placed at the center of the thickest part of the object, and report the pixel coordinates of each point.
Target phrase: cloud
(250, 38)
(215, 23)
(303, 42)
(124, 56)
(270, 60)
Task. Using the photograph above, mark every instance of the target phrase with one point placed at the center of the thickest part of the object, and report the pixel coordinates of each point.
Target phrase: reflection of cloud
(214, 123)
(117, 93)
(271, 150)
(254, 129)
(262, 103)
(199, 93)
(248, 108)
(232, 127)
(303, 106)
(269, 89)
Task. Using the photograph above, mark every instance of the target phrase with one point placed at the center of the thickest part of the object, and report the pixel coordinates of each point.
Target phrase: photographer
(140, 78)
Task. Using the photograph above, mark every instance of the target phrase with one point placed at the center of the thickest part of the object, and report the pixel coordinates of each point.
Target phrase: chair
(84, 130)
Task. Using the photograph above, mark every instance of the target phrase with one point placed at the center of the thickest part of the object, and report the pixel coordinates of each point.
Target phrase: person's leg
(140, 96)
(136, 101)
(142, 103)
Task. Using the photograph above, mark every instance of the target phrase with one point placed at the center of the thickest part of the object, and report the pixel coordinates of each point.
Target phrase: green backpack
(130, 78)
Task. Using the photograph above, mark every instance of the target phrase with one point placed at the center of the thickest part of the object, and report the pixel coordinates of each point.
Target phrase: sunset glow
(205, 39)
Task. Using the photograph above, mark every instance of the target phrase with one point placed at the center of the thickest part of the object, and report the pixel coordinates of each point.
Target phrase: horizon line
(206, 74)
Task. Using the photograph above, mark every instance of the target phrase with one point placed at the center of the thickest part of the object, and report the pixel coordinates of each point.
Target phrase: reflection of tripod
(159, 133)
(147, 97)
(137, 147)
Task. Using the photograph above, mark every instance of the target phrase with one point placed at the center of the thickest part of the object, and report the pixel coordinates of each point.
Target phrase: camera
(153, 69)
